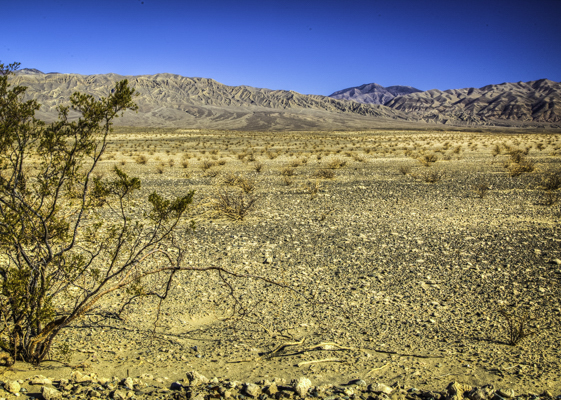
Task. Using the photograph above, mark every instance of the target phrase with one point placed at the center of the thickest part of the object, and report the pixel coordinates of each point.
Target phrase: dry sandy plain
(405, 278)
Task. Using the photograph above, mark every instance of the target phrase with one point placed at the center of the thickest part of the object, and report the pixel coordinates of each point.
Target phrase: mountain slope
(173, 100)
(523, 102)
(372, 93)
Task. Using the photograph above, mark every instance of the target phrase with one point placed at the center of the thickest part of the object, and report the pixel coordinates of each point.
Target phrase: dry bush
(287, 171)
(234, 206)
(160, 170)
(295, 164)
(325, 174)
(246, 184)
(336, 163)
(405, 169)
(312, 188)
(481, 189)
(258, 167)
(230, 179)
(520, 167)
(184, 163)
(431, 176)
(207, 164)
(551, 181)
(428, 159)
(287, 181)
(517, 325)
(171, 162)
(221, 162)
(141, 159)
(550, 198)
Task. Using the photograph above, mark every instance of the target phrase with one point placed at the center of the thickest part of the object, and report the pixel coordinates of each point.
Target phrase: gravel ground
(396, 281)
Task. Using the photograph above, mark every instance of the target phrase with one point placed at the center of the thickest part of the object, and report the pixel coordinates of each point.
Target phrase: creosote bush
(70, 236)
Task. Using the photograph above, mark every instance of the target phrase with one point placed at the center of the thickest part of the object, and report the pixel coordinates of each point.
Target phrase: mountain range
(176, 101)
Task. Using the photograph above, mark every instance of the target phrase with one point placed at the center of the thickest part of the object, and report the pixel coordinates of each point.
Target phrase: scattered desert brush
(288, 171)
(517, 325)
(233, 205)
(141, 159)
(336, 163)
(428, 159)
(258, 167)
(405, 169)
(480, 189)
(312, 188)
(324, 174)
(430, 176)
(207, 164)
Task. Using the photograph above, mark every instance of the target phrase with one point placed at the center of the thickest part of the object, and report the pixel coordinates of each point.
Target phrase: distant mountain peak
(372, 93)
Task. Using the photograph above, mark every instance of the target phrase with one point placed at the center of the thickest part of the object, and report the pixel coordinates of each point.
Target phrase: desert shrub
(221, 162)
(312, 188)
(287, 180)
(336, 163)
(246, 184)
(517, 325)
(258, 167)
(428, 159)
(185, 163)
(234, 206)
(62, 241)
(405, 169)
(324, 174)
(480, 189)
(519, 167)
(431, 176)
(141, 159)
(288, 171)
(207, 164)
(230, 179)
(551, 181)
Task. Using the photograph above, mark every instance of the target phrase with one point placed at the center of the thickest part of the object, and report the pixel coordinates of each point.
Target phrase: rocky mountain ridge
(372, 93)
(535, 102)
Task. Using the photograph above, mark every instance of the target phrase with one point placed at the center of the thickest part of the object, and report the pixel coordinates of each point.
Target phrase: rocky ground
(386, 278)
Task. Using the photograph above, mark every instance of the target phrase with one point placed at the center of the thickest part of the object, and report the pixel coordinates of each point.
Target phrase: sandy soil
(403, 278)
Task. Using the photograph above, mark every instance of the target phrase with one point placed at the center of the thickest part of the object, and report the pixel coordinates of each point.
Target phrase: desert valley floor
(398, 255)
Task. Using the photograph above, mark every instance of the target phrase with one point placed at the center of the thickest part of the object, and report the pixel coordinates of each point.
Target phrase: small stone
(507, 393)
(196, 379)
(128, 383)
(200, 396)
(147, 377)
(357, 382)
(380, 388)
(119, 395)
(40, 380)
(455, 391)
(302, 386)
(78, 377)
(50, 393)
(102, 381)
(268, 260)
(483, 393)
(227, 394)
(271, 389)
(251, 389)
(13, 386)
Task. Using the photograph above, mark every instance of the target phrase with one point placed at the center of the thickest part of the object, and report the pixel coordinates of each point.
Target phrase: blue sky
(312, 47)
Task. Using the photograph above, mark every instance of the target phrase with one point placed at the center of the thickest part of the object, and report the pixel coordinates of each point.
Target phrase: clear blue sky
(312, 47)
